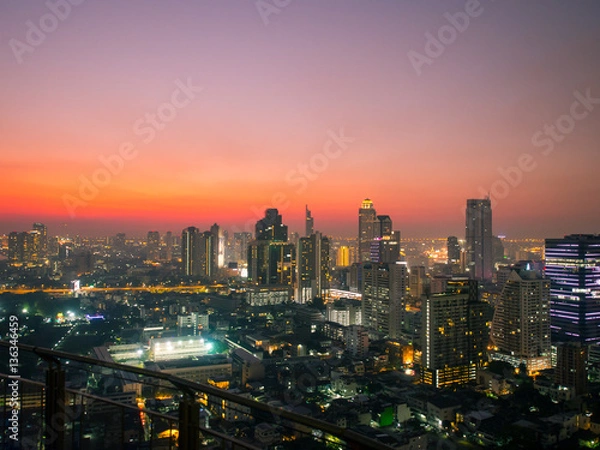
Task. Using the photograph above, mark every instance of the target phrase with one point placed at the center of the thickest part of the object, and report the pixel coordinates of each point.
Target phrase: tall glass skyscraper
(573, 267)
(480, 257)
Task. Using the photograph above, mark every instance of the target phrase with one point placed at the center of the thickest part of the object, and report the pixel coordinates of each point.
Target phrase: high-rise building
(271, 259)
(367, 217)
(386, 248)
(383, 290)
(454, 334)
(573, 267)
(43, 232)
(310, 223)
(343, 256)
(168, 246)
(153, 246)
(480, 258)
(218, 248)
(240, 246)
(357, 340)
(571, 366)
(197, 254)
(314, 267)
(521, 325)
(417, 281)
(453, 250)
(271, 228)
(119, 241)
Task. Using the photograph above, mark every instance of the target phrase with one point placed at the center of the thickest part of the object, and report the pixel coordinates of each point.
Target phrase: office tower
(386, 249)
(479, 239)
(43, 232)
(153, 246)
(314, 267)
(271, 228)
(271, 263)
(271, 259)
(366, 229)
(19, 247)
(310, 223)
(497, 250)
(240, 246)
(218, 246)
(571, 366)
(417, 281)
(573, 267)
(453, 250)
(343, 256)
(521, 325)
(383, 290)
(197, 254)
(454, 334)
(168, 246)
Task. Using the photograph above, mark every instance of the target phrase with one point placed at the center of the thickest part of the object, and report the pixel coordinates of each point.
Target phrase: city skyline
(135, 117)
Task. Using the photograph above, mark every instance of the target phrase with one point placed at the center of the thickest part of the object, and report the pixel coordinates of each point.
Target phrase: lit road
(195, 289)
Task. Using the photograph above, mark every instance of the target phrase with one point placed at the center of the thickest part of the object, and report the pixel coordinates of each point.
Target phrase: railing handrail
(154, 414)
(352, 437)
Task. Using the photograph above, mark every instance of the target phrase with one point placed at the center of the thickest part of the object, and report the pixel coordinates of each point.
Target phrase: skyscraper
(153, 246)
(453, 250)
(384, 289)
(573, 267)
(271, 259)
(366, 229)
(314, 267)
(310, 223)
(271, 228)
(43, 231)
(168, 246)
(197, 253)
(521, 325)
(454, 334)
(479, 238)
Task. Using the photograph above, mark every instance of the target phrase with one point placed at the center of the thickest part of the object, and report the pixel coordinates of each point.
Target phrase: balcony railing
(50, 416)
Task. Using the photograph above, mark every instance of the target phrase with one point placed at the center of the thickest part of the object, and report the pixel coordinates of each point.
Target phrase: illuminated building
(345, 312)
(454, 334)
(343, 256)
(43, 233)
(310, 223)
(384, 288)
(197, 253)
(271, 228)
(23, 247)
(119, 241)
(453, 250)
(356, 338)
(386, 248)
(218, 246)
(271, 259)
(521, 325)
(163, 349)
(573, 267)
(314, 268)
(417, 280)
(153, 246)
(480, 256)
(366, 229)
(240, 246)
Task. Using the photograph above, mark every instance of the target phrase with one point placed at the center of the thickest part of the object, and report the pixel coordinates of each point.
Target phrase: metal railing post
(189, 423)
(55, 417)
